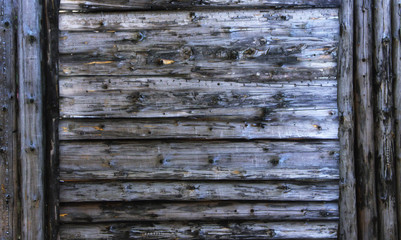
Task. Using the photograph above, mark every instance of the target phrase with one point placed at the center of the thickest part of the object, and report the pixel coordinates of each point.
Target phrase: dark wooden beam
(384, 121)
(347, 202)
(30, 119)
(364, 121)
(51, 114)
(396, 31)
(8, 124)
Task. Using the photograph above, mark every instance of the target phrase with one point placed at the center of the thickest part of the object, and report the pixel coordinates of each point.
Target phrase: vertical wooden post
(384, 121)
(8, 125)
(30, 119)
(347, 204)
(51, 117)
(396, 31)
(364, 122)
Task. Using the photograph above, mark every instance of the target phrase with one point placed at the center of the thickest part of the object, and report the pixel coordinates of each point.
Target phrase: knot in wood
(31, 38)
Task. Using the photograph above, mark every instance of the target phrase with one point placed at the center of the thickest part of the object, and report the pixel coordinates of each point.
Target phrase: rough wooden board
(147, 52)
(311, 124)
(296, 38)
(249, 34)
(230, 20)
(8, 124)
(384, 121)
(348, 229)
(206, 174)
(118, 5)
(199, 160)
(175, 97)
(31, 120)
(196, 230)
(196, 211)
(197, 190)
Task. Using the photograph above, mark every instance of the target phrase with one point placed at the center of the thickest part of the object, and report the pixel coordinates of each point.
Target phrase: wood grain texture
(348, 229)
(197, 190)
(31, 120)
(396, 60)
(121, 97)
(196, 211)
(119, 5)
(157, 109)
(364, 122)
(8, 124)
(202, 160)
(196, 230)
(384, 122)
(253, 44)
(311, 124)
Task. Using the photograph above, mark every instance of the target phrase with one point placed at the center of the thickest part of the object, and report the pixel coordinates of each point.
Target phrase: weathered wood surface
(197, 190)
(150, 87)
(196, 230)
(396, 57)
(261, 160)
(348, 229)
(31, 120)
(8, 124)
(311, 124)
(119, 5)
(251, 44)
(51, 109)
(384, 122)
(175, 97)
(196, 211)
(364, 122)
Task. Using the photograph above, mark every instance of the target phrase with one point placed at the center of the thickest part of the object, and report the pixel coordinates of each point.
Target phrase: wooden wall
(198, 119)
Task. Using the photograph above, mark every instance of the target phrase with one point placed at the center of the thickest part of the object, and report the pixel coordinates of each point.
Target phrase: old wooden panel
(348, 219)
(196, 230)
(197, 190)
(8, 124)
(118, 5)
(177, 97)
(364, 122)
(309, 124)
(196, 211)
(261, 160)
(384, 122)
(259, 44)
(31, 119)
(157, 108)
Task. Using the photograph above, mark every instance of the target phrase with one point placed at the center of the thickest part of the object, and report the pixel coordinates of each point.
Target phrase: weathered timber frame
(369, 103)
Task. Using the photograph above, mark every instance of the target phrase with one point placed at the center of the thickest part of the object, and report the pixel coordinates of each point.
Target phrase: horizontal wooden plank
(196, 230)
(143, 52)
(262, 160)
(196, 211)
(118, 5)
(215, 19)
(309, 124)
(170, 97)
(197, 190)
(247, 44)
